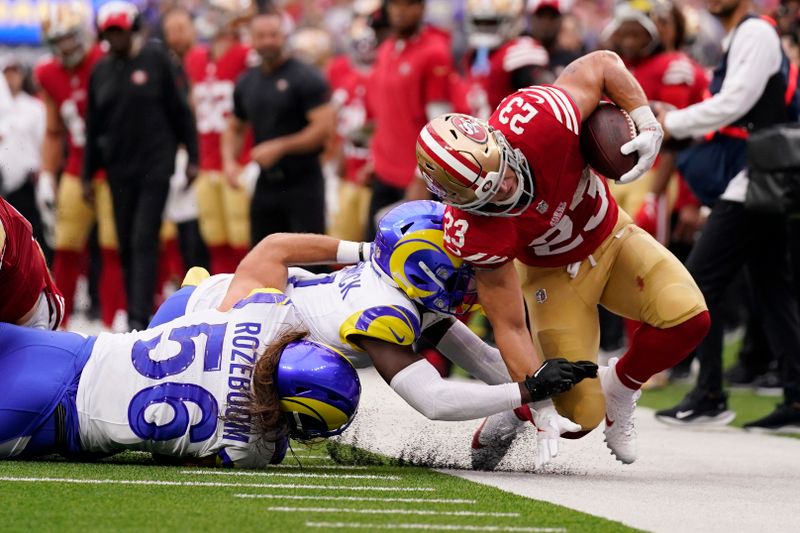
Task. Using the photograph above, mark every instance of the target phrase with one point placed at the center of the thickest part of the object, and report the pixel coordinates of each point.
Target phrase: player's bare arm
(266, 265)
(230, 146)
(501, 299)
(52, 146)
(590, 77)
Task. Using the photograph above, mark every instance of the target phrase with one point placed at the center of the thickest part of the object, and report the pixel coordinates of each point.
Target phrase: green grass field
(130, 493)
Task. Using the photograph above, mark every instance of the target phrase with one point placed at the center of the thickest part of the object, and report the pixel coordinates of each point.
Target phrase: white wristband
(47, 176)
(349, 252)
(643, 116)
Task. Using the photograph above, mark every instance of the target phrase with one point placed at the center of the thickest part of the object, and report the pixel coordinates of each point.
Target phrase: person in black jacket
(136, 118)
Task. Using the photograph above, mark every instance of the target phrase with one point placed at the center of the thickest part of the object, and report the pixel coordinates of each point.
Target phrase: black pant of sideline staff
(733, 238)
(382, 195)
(279, 207)
(138, 208)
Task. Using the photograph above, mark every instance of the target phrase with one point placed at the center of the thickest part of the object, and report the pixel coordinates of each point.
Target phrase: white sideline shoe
(620, 433)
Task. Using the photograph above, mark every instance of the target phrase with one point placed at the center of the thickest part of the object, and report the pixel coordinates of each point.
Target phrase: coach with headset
(136, 118)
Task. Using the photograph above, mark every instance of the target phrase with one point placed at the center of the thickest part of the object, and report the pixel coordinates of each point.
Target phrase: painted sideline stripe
(299, 456)
(209, 484)
(388, 511)
(286, 474)
(433, 527)
(322, 467)
(354, 498)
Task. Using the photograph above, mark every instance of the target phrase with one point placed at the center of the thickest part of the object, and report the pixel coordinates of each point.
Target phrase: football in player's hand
(602, 136)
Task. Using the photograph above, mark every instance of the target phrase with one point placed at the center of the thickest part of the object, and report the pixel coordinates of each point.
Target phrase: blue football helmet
(318, 389)
(409, 253)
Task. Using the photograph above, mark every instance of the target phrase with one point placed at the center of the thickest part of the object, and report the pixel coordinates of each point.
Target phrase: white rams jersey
(353, 301)
(182, 389)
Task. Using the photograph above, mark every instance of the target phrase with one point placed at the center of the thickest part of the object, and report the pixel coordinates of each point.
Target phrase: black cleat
(698, 408)
(784, 419)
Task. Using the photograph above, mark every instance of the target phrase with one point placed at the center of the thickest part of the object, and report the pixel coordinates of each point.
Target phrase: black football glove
(556, 376)
(583, 370)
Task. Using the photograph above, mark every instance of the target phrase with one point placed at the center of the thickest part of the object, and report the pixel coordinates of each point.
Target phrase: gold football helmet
(490, 23)
(65, 28)
(224, 16)
(464, 162)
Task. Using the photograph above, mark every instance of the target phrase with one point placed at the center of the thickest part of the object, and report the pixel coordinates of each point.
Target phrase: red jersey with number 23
(572, 211)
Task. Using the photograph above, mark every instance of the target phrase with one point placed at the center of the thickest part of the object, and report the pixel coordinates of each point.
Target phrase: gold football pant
(74, 217)
(350, 222)
(224, 212)
(633, 276)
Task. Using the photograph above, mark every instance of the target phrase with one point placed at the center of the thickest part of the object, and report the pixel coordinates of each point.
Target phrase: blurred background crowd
(208, 127)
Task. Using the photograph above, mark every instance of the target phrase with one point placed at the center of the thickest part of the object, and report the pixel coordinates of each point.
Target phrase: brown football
(602, 135)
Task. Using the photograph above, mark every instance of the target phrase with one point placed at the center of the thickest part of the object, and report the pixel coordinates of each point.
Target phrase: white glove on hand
(46, 203)
(647, 143)
(549, 425)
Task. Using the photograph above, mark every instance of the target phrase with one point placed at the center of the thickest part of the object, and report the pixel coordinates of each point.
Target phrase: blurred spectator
(136, 118)
(213, 70)
(21, 137)
(648, 36)
(349, 75)
(179, 37)
(570, 38)
(748, 90)
(498, 61)
(410, 85)
(311, 45)
(546, 17)
(64, 79)
(286, 103)
(179, 33)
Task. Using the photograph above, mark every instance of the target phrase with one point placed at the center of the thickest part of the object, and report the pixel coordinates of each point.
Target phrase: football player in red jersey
(348, 76)
(64, 79)
(648, 35)
(212, 71)
(499, 61)
(519, 188)
(30, 297)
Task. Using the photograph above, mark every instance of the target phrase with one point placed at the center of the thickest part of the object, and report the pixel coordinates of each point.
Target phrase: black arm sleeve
(177, 107)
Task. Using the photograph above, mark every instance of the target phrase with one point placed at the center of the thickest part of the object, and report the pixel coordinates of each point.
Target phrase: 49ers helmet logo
(470, 128)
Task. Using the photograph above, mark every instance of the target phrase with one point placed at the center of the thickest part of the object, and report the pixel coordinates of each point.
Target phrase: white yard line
(286, 474)
(300, 456)
(208, 484)
(433, 527)
(425, 512)
(356, 499)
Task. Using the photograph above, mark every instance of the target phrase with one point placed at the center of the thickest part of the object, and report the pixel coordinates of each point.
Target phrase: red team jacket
(572, 211)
